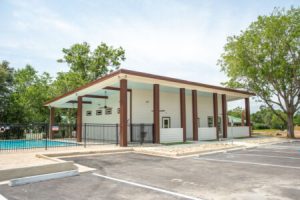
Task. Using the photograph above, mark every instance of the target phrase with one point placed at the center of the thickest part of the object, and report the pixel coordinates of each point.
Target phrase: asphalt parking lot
(266, 172)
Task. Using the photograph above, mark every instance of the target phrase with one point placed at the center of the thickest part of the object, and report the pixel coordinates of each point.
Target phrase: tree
(92, 64)
(30, 91)
(297, 119)
(6, 82)
(85, 66)
(65, 82)
(236, 112)
(265, 118)
(265, 58)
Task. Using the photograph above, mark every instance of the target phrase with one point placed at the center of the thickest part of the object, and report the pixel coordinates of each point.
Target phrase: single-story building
(176, 110)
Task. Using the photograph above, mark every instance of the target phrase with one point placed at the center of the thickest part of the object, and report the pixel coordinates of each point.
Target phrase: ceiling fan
(105, 105)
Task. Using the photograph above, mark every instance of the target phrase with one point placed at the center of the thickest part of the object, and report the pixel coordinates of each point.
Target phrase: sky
(182, 39)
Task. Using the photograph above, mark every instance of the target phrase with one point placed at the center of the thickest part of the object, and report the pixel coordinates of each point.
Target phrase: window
(98, 112)
(210, 121)
(166, 122)
(88, 113)
(118, 110)
(198, 122)
(108, 111)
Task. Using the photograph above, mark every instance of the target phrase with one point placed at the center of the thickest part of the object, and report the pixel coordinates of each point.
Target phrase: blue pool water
(28, 144)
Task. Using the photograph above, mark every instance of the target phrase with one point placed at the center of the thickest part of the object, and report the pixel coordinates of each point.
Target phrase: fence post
(117, 135)
(131, 132)
(47, 135)
(84, 135)
(142, 133)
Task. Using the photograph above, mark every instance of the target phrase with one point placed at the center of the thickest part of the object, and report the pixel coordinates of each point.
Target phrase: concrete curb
(60, 154)
(43, 177)
(7, 174)
(199, 153)
(183, 155)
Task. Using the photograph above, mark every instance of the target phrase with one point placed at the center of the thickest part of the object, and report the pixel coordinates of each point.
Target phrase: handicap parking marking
(147, 187)
(2, 197)
(246, 162)
(261, 155)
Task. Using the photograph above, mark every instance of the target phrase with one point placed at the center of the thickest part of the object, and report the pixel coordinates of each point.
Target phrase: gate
(141, 133)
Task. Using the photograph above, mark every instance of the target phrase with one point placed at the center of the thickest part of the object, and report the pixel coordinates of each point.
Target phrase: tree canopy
(6, 82)
(23, 92)
(92, 64)
(265, 59)
(30, 91)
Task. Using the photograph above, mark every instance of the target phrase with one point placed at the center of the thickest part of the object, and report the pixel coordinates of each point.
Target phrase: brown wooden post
(195, 115)
(79, 119)
(243, 118)
(215, 111)
(224, 115)
(183, 113)
(156, 131)
(247, 113)
(123, 113)
(52, 122)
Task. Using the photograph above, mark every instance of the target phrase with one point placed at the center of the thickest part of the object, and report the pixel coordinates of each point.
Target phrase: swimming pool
(30, 144)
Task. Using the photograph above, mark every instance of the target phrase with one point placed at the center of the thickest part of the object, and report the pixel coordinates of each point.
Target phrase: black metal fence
(100, 134)
(38, 135)
(141, 133)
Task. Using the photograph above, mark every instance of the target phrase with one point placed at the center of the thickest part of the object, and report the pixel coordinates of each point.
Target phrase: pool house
(128, 106)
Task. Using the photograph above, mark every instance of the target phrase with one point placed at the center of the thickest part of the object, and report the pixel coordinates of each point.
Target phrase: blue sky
(183, 39)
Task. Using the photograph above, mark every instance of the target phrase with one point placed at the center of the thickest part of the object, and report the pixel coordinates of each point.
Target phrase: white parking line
(281, 147)
(249, 163)
(148, 187)
(2, 197)
(260, 155)
(275, 151)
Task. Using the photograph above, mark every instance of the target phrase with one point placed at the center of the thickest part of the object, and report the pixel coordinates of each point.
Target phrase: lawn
(270, 132)
(275, 132)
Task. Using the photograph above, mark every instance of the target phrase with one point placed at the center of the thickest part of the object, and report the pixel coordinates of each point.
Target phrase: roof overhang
(140, 77)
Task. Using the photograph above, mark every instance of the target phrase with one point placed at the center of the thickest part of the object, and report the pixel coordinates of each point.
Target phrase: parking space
(85, 186)
(285, 155)
(267, 172)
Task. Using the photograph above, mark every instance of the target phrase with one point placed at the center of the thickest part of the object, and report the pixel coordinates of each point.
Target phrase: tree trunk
(290, 125)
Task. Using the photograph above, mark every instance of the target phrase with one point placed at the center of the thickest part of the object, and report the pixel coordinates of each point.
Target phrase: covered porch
(150, 108)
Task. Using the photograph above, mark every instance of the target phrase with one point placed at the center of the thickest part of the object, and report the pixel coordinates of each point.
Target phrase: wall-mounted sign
(55, 128)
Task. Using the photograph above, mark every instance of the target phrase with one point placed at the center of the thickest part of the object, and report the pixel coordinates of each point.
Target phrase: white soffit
(182, 85)
(88, 90)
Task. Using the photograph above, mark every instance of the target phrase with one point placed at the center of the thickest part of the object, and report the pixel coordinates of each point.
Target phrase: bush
(259, 126)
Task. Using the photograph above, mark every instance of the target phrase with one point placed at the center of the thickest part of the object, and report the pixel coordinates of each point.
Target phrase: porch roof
(113, 78)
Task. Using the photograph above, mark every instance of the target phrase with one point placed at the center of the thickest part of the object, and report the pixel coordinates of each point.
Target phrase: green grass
(176, 143)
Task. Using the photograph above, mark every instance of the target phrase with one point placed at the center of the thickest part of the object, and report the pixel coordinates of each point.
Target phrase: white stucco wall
(142, 109)
(238, 131)
(205, 109)
(207, 133)
(112, 101)
(168, 135)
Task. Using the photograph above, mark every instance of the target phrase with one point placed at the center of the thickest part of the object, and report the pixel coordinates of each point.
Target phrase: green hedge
(258, 126)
